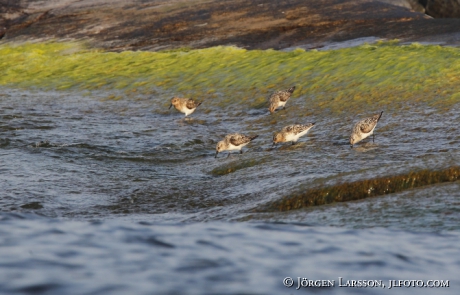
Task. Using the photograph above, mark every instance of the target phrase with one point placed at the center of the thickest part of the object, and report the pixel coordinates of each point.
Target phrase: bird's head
(220, 146)
(278, 137)
(174, 101)
(353, 139)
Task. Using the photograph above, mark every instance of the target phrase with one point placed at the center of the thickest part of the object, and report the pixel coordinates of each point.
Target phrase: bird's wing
(284, 95)
(239, 139)
(289, 128)
(191, 104)
(301, 128)
(368, 124)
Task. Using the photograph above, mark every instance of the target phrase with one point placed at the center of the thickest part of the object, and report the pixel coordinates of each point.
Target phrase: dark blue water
(54, 256)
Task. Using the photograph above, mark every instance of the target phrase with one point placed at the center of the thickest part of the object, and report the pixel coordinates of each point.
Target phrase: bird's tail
(253, 137)
(291, 89)
(202, 100)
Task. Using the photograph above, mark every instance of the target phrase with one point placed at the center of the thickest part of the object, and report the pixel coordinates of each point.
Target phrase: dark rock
(260, 24)
(414, 5)
(443, 8)
(2, 32)
(32, 205)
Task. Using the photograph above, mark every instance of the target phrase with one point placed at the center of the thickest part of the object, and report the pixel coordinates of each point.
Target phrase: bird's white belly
(232, 147)
(282, 103)
(291, 137)
(187, 111)
(366, 135)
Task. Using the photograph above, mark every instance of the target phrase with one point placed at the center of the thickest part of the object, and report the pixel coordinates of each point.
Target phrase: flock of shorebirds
(291, 133)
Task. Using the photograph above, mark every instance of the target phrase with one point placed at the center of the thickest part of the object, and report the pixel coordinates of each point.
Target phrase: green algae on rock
(363, 189)
(235, 166)
(381, 74)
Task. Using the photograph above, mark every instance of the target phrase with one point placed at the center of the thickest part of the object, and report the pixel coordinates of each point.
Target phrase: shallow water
(74, 159)
(67, 155)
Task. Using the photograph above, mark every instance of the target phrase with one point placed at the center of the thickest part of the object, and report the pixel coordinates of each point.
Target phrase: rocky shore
(261, 24)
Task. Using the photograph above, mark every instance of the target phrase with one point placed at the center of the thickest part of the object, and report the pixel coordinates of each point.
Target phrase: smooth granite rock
(260, 24)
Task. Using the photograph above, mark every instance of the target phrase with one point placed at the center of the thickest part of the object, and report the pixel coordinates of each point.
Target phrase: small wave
(4, 142)
(52, 256)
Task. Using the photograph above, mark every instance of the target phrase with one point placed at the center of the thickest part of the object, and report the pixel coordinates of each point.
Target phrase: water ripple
(136, 258)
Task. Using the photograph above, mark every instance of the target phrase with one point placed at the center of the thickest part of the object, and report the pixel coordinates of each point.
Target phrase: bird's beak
(216, 154)
(170, 106)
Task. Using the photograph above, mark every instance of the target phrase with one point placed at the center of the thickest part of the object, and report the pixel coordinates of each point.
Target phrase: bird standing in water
(233, 142)
(279, 99)
(364, 128)
(292, 133)
(184, 105)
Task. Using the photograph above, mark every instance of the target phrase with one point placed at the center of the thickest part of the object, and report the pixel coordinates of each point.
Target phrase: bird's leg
(373, 137)
(293, 143)
(228, 155)
(241, 152)
(284, 108)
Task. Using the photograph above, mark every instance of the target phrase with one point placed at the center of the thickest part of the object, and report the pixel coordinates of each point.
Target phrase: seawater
(40, 255)
(125, 197)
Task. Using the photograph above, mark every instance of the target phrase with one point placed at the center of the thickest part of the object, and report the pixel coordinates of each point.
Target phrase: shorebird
(292, 133)
(364, 128)
(184, 105)
(279, 99)
(233, 142)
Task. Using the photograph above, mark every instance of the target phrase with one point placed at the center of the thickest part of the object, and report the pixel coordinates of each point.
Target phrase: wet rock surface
(157, 25)
(443, 8)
